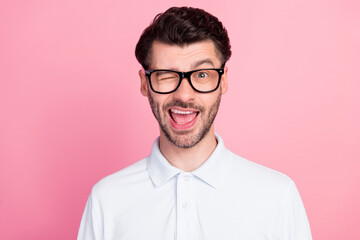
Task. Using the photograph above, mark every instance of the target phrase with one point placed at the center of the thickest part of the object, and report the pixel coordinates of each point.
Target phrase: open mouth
(182, 119)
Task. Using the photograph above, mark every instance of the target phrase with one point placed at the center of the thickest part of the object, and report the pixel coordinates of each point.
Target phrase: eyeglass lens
(167, 81)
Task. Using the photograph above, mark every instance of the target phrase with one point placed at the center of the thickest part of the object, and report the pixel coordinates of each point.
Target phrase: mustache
(184, 105)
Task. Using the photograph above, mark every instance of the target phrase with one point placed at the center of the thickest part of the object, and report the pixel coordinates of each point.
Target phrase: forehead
(184, 58)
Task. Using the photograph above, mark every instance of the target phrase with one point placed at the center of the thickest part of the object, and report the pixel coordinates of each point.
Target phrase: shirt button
(186, 205)
(187, 178)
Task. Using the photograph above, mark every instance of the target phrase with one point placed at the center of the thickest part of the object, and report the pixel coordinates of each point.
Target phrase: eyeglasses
(201, 80)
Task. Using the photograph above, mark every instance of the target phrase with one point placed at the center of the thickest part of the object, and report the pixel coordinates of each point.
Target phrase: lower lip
(186, 126)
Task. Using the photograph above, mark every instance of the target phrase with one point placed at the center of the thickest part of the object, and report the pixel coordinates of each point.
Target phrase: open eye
(201, 75)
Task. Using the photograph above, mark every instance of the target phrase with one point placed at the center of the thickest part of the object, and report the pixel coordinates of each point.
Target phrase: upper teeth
(180, 112)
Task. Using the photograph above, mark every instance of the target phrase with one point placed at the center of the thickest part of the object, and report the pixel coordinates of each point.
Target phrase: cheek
(160, 100)
(210, 100)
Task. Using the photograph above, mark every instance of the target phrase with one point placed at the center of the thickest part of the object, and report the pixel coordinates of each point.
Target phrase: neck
(188, 159)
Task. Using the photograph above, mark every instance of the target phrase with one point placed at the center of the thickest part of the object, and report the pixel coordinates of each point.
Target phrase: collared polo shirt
(227, 197)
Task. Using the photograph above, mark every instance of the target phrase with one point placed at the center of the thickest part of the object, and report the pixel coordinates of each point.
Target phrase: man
(191, 186)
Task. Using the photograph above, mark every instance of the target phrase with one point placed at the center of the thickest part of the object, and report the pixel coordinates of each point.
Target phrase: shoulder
(259, 176)
(127, 176)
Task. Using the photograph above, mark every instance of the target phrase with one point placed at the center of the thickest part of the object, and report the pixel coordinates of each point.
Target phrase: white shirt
(226, 198)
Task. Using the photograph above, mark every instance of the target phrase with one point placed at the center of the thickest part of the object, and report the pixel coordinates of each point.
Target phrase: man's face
(185, 116)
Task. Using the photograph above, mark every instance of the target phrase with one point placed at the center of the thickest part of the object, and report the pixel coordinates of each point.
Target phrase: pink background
(71, 110)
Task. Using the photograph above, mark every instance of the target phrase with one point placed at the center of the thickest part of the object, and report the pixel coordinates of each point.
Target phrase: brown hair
(181, 26)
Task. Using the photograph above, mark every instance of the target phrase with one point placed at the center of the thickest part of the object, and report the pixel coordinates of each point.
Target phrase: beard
(184, 139)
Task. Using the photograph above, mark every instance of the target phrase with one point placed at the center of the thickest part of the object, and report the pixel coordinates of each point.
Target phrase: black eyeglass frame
(183, 75)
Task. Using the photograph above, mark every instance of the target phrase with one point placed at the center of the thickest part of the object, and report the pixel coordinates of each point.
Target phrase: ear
(143, 84)
(224, 81)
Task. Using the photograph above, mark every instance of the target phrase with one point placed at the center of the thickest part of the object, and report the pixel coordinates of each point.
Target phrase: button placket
(187, 223)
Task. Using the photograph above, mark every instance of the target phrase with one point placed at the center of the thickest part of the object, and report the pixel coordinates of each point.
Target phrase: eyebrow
(201, 62)
(195, 64)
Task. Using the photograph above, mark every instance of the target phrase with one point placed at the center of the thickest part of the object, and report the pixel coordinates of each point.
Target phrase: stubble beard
(184, 139)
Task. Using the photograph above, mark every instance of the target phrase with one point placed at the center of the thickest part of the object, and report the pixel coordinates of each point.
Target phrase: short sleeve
(91, 222)
(293, 223)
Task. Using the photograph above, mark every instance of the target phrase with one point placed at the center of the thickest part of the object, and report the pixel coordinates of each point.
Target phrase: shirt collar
(216, 168)
(213, 171)
(160, 170)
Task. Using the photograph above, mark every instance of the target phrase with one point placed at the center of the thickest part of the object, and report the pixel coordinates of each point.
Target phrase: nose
(185, 92)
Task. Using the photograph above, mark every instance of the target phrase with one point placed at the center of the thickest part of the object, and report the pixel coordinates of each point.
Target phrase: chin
(185, 139)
